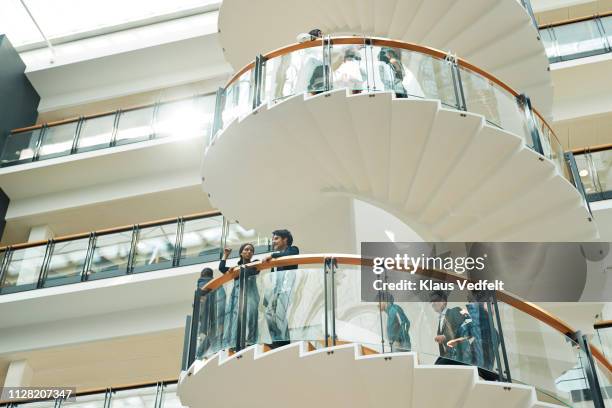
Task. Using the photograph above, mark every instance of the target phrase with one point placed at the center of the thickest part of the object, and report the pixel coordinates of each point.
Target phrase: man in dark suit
(277, 302)
(449, 320)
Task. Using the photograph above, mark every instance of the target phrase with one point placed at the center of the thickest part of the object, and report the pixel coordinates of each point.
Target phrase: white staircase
(446, 173)
(299, 376)
(495, 35)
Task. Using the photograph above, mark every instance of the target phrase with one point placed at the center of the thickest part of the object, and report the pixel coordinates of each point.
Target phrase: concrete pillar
(40, 233)
(19, 374)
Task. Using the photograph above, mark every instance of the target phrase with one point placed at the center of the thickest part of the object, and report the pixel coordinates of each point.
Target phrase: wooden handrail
(602, 324)
(388, 43)
(99, 114)
(574, 20)
(346, 259)
(112, 230)
(592, 149)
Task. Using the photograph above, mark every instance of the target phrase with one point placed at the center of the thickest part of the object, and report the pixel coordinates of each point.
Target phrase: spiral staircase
(449, 171)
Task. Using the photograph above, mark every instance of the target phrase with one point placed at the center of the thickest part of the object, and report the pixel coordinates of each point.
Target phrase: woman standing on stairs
(246, 252)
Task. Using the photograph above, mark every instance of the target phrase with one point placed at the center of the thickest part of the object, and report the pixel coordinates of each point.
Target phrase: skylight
(60, 18)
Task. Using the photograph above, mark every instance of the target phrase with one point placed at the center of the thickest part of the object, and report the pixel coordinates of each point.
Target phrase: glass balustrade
(105, 254)
(155, 395)
(372, 65)
(182, 119)
(578, 39)
(320, 302)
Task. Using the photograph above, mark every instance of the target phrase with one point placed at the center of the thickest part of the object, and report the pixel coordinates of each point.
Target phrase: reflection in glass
(155, 247)
(67, 262)
(201, 240)
(550, 43)
(87, 401)
(23, 269)
(57, 140)
(294, 73)
(110, 256)
(96, 133)
(20, 147)
(349, 68)
(135, 125)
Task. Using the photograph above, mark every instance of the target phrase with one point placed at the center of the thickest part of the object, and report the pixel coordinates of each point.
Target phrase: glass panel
(605, 382)
(541, 356)
(237, 236)
(349, 67)
(36, 404)
(237, 99)
(579, 39)
(23, 269)
(96, 133)
(86, 401)
(110, 255)
(498, 106)
(414, 74)
(586, 175)
(550, 44)
(201, 240)
(134, 398)
(603, 340)
(215, 310)
(356, 321)
(57, 140)
(135, 125)
(205, 110)
(67, 261)
(20, 147)
(170, 398)
(602, 162)
(607, 25)
(179, 120)
(287, 306)
(155, 247)
(294, 73)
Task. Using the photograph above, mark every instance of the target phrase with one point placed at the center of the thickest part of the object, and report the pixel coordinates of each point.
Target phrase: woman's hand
(226, 252)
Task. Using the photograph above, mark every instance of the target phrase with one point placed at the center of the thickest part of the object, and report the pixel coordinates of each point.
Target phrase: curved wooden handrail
(387, 43)
(111, 230)
(355, 260)
(602, 324)
(592, 149)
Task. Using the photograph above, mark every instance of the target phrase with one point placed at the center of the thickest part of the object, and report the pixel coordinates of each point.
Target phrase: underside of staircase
(350, 375)
(448, 174)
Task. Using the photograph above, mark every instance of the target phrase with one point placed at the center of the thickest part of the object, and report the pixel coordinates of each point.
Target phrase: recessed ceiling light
(584, 173)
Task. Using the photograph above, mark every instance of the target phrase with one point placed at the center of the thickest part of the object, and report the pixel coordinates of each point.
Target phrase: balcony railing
(594, 166)
(319, 302)
(578, 38)
(120, 251)
(373, 65)
(149, 395)
(180, 119)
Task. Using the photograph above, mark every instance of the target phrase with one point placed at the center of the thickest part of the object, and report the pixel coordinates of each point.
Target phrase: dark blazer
(452, 320)
(291, 250)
